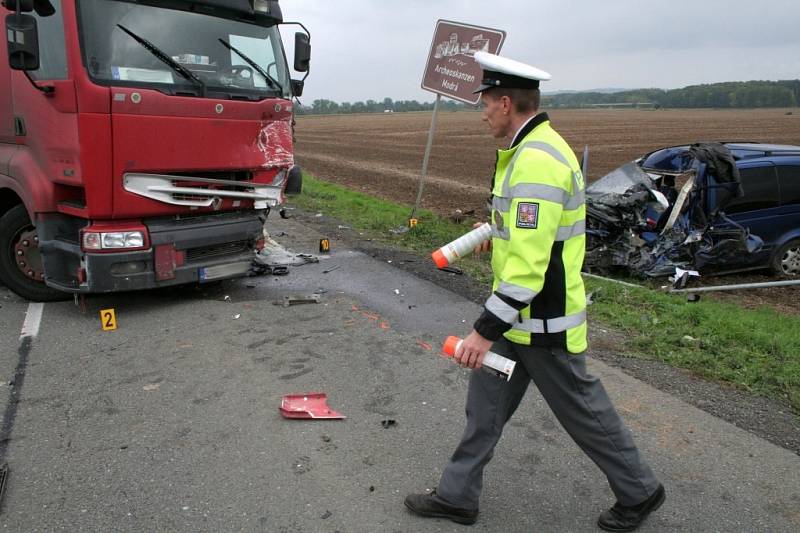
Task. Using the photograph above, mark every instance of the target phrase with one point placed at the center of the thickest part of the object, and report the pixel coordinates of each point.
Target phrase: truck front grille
(196, 255)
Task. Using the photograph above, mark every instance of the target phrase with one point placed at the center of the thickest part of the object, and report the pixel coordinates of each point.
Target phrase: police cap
(507, 73)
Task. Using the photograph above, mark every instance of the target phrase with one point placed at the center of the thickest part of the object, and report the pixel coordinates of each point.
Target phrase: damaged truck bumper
(209, 248)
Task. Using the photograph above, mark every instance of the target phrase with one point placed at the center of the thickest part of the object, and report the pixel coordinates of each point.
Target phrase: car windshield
(620, 180)
(196, 42)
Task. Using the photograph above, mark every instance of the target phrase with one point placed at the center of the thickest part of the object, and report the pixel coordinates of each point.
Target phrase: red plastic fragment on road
(310, 405)
(425, 345)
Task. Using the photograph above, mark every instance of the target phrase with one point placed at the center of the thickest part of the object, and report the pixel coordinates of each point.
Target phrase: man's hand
(472, 350)
(485, 246)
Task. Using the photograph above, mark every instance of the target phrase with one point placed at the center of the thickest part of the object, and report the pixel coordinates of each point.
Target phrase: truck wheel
(294, 182)
(21, 268)
(787, 261)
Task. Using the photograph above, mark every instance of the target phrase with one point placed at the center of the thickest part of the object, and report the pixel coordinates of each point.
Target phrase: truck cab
(142, 143)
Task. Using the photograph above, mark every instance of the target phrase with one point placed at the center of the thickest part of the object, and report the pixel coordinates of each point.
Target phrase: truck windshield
(197, 42)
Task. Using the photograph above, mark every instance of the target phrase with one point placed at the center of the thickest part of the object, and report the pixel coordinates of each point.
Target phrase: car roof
(677, 159)
(748, 150)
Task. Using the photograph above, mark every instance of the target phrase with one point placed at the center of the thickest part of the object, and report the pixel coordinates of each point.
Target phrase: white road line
(30, 328)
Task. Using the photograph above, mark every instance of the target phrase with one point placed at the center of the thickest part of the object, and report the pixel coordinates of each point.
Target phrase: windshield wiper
(272, 81)
(174, 65)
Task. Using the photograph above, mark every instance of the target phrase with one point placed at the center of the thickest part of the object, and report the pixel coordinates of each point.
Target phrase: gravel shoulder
(769, 419)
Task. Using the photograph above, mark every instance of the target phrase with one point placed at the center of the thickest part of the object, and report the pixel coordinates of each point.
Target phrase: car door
(788, 222)
(759, 208)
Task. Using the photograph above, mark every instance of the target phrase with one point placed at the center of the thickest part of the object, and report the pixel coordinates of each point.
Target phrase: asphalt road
(171, 421)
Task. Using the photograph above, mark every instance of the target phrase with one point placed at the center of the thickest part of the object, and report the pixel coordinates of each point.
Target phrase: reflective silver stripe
(554, 325)
(504, 233)
(575, 201)
(521, 294)
(548, 148)
(504, 312)
(569, 202)
(566, 232)
(501, 204)
(540, 191)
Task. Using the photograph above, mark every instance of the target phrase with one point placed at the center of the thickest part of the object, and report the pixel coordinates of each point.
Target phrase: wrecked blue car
(711, 207)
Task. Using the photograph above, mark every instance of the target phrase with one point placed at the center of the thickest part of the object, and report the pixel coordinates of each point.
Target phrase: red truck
(142, 142)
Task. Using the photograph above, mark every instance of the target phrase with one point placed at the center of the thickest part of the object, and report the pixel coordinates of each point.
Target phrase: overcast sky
(371, 49)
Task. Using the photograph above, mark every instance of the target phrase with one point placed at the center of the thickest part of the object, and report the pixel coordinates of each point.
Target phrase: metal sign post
(451, 71)
(424, 173)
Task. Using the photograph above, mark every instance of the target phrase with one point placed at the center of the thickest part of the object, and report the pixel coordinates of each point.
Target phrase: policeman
(536, 314)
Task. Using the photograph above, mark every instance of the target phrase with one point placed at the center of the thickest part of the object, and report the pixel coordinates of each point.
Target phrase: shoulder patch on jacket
(527, 215)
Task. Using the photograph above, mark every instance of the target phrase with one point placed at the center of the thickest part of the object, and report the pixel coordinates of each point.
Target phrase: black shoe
(624, 518)
(428, 505)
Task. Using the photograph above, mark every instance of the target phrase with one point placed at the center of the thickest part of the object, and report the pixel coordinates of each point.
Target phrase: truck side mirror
(302, 51)
(23, 42)
(297, 88)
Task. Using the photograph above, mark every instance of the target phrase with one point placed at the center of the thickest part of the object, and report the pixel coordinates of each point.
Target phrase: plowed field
(382, 154)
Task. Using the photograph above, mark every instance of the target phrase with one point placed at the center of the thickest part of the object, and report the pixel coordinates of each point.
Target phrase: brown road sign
(451, 69)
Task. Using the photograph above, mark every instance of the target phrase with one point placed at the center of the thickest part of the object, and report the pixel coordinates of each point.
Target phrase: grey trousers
(579, 402)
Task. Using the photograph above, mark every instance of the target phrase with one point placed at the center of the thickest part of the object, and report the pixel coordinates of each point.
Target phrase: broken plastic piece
(311, 405)
(452, 270)
(389, 422)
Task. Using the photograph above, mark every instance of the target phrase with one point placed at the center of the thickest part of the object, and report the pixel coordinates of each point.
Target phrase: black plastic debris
(452, 270)
(389, 422)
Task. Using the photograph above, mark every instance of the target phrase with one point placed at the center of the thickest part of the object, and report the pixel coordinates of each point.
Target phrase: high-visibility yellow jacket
(538, 243)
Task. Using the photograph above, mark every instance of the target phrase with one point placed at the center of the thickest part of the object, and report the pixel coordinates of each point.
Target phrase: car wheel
(787, 260)
(21, 267)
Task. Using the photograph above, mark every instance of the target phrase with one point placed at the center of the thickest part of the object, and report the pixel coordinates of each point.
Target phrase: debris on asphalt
(389, 422)
(326, 515)
(329, 270)
(313, 405)
(274, 259)
(236, 316)
(283, 213)
(288, 300)
(151, 386)
(397, 291)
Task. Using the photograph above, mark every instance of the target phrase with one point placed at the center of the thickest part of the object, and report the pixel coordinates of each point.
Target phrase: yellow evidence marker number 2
(108, 319)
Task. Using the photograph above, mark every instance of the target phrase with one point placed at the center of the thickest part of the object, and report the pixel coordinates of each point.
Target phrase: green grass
(758, 350)
(377, 218)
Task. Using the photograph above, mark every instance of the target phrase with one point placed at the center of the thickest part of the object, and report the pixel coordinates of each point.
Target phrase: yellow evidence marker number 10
(109, 319)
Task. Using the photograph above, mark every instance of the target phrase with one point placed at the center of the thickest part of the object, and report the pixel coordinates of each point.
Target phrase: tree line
(783, 93)
(329, 107)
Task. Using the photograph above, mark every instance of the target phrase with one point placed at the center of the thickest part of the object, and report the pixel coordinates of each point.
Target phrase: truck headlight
(114, 240)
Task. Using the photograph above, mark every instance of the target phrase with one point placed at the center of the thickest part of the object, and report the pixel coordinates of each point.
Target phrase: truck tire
(294, 182)
(21, 267)
(786, 262)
